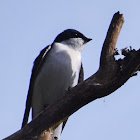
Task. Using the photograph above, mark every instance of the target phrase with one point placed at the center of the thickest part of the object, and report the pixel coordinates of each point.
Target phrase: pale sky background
(27, 26)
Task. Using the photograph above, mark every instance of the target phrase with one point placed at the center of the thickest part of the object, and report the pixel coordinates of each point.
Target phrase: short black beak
(89, 39)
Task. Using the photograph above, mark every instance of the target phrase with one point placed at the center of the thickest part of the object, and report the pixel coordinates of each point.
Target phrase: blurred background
(28, 26)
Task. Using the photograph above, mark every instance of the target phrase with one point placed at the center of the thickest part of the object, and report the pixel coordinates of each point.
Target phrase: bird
(56, 69)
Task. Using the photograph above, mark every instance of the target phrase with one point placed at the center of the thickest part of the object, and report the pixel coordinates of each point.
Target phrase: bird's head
(73, 39)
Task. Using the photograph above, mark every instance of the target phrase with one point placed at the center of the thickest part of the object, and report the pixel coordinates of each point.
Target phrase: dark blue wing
(37, 65)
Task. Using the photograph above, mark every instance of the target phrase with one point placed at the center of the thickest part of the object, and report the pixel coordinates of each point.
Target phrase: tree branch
(111, 75)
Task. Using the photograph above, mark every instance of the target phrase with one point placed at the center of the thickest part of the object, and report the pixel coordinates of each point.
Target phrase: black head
(70, 33)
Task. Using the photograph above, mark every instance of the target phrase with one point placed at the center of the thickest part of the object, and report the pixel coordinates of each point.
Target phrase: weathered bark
(111, 75)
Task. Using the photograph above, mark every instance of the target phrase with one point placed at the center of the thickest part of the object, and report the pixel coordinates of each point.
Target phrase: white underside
(60, 71)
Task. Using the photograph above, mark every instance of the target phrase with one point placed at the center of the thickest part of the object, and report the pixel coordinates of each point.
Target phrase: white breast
(59, 72)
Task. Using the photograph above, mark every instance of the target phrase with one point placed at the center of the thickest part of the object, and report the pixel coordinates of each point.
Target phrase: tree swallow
(57, 68)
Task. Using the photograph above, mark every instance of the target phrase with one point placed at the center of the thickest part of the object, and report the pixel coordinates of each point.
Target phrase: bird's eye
(76, 34)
